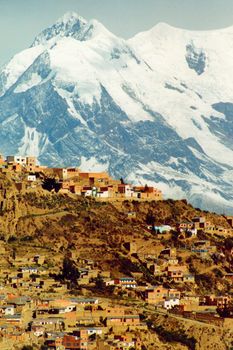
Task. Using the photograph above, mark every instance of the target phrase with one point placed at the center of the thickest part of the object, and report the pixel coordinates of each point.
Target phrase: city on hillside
(95, 184)
(106, 286)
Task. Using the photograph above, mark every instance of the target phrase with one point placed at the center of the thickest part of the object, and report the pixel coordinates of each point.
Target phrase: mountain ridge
(82, 96)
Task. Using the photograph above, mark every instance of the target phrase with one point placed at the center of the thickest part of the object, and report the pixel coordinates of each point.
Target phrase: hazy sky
(22, 20)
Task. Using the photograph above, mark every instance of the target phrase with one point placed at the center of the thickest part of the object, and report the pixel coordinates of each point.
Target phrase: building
(162, 229)
(147, 193)
(131, 247)
(124, 320)
(170, 303)
(25, 161)
(126, 282)
(31, 178)
(168, 252)
(199, 222)
(159, 294)
(31, 163)
(16, 159)
(125, 190)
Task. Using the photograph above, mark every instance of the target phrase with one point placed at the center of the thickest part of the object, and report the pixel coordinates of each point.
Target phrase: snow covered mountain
(156, 109)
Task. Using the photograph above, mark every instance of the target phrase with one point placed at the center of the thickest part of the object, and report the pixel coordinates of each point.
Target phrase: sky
(22, 20)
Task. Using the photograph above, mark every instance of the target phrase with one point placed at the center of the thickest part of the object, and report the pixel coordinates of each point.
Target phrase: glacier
(156, 109)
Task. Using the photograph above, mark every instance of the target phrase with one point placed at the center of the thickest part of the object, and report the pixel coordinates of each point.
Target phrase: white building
(102, 194)
(170, 303)
(88, 193)
(32, 178)
(17, 159)
(8, 310)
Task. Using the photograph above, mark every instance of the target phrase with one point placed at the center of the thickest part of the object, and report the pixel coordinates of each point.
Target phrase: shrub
(12, 239)
(176, 336)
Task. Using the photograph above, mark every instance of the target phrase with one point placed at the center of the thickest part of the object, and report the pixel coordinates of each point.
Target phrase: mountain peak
(71, 16)
(68, 25)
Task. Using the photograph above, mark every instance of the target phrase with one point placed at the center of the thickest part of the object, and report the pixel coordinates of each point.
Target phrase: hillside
(97, 229)
(57, 226)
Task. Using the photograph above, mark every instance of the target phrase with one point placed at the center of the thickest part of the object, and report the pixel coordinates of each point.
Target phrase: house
(39, 259)
(73, 342)
(54, 341)
(38, 331)
(162, 229)
(51, 323)
(7, 310)
(176, 276)
(172, 261)
(125, 320)
(126, 282)
(31, 163)
(159, 294)
(90, 331)
(61, 173)
(94, 178)
(188, 278)
(62, 310)
(132, 215)
(75, 188)
(28, 269)
(218, 301)
(170, 303)
(213, 229)
(88, 191)
(154, 268)
(176, 272)
(147, 193)
(72, 173)
(189, 302)
(168, 252)
(31, 178)
(199, 222)
(85, 301)
(184, 225)
(15, 319)
(125, 190)
(131, 247)
(102, 192)
(17, 160)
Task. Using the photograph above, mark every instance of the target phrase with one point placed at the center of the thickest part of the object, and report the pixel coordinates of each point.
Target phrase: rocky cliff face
(156, 109)
(199, 336)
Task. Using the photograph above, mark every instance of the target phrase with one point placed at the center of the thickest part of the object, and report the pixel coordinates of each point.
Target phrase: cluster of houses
(72, 180)
(67, 323)
(190, 228)
(36, 307)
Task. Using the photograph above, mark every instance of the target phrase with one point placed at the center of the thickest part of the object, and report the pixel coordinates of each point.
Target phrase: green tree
(122, 181)
(50, 184)
(99, 283)
(70, 271)
(150, 218)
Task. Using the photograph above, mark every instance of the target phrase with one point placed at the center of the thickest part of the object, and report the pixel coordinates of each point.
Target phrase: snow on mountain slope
(156, 109)
(17, 66)
(168, 51)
